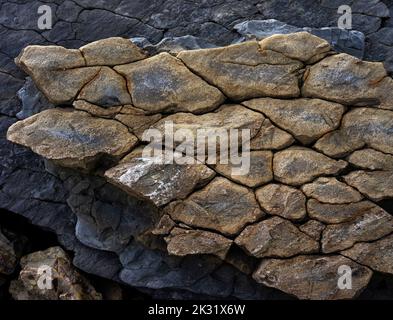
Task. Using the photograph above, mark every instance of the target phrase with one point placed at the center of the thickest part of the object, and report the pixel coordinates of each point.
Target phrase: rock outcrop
(318, 145)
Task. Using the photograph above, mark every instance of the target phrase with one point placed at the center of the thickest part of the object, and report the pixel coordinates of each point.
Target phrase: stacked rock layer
(321, 152)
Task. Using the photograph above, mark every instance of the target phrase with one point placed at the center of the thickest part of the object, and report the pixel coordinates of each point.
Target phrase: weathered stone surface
(66, 283)
(271, 137)
(259, 172)
(227, 117)
(8, 258)
(313, 228)
(106, 89)
(283, 201)
(183, 242)
(372, 225)
(377, 255)
(243, 71)
(162, 84)
(330, 190)
(150, 178)
(137, 120)
(275, 237)
(306, 119)
(338, 213)
(72, 138)
(360, 127)
(222, 206)
(164, 226)
(111, 51)
(300, 46)
(58, 72)
(312, 277)
(348, 80)
(377, 185)
(98, 111)
(371, 159)
(298, 165)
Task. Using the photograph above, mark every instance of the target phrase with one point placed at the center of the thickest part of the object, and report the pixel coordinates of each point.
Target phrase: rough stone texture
(163, 84)
(372, 225)
(244, 71)
(337, 213)
(330, 190)
(275, 237)
(260, 171)
(222, 206)
(371, 159)
(66, 283)
(298, 165)
(72, 138)
(156, 181)
(360, 127)
(46, 206)
(348, 80)
(377, 255)
(271, 137)
(313, 228)
(283, 201)
(8, 259)
(306, 119)
(312, 277)
(376, 185)
(201, 242)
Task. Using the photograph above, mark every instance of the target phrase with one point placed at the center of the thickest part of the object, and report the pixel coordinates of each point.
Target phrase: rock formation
(303, 207)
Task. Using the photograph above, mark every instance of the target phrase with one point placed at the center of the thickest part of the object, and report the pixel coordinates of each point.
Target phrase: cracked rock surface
(300, 211)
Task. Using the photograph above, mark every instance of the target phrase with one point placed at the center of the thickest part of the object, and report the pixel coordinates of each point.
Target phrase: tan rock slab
(275, 237)
(282, 200)
(376, 185)
(371, 159)
(312, 277)
(306, 119)
(183, 242)
(72, 138)
(271, 137)
(244, 71)
(222, 206)
(313, 228)
(163, 84)
(298, 165)
(330, 190)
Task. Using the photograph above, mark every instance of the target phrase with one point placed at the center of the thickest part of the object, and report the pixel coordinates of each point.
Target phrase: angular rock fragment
(298, 165)
(111, 51)
(271, 137)
(312, 277)
(372, 225)
(350, 81)
(313, 228)
(338, 213)
(244, 71)
(259, 172)
(306, 119)
(222, 206)
(330, 190)
(163, 84)
(95, 110)
(360, 127)
(371, 159)
(275, 237)
(300, 46)
(152, 179)
(183, 242)
(58, 72)
(72, 138)
(164, 226)
(106, 89)
(62, 281)
(377, 255)
(8, 258)
(377, 185)
(283, 201)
